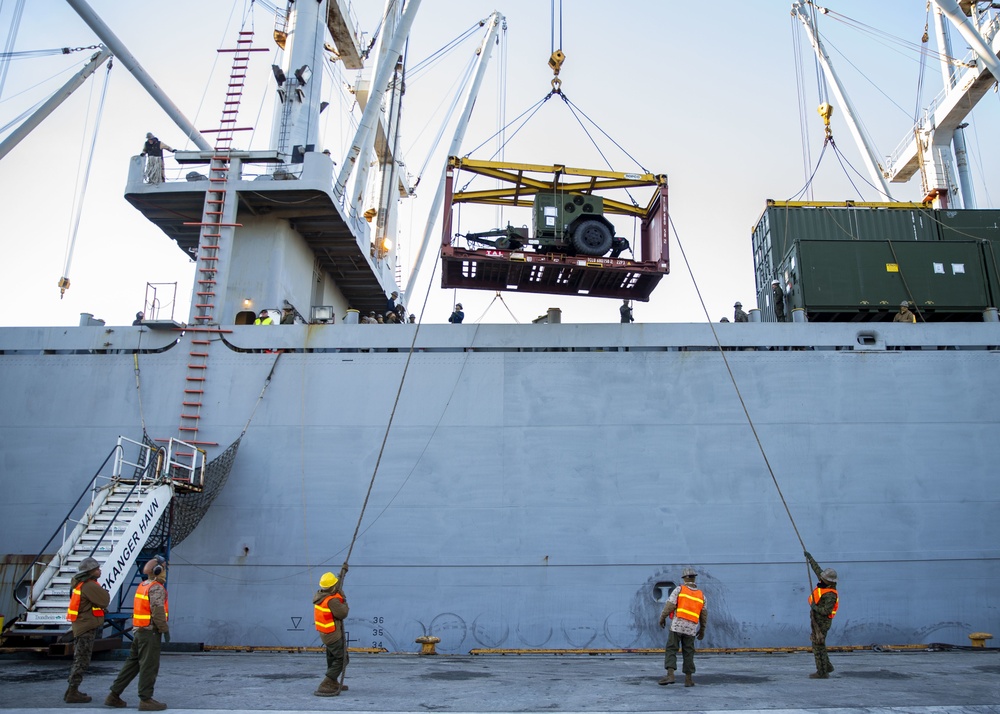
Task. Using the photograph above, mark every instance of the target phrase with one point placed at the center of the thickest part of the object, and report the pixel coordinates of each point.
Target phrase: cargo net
(189, 508)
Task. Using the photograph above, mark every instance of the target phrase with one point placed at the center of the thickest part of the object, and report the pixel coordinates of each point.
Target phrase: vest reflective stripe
(689, 604)
(820, 592)
(322, 615)
(73, 611)
(141, 614)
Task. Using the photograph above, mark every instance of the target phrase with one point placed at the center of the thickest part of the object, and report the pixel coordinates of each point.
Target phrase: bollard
(427, 643)
(979, 638)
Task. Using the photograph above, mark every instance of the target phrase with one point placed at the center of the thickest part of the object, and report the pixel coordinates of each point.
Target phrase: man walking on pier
(823, 603)
(688, 616)
(149, 621)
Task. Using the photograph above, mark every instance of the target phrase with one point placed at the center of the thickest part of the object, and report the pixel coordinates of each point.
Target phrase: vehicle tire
(592, 238)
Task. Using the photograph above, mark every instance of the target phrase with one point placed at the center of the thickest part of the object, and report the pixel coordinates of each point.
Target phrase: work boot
(327, 688)
(819, 675)
(113, 700)
(151, 705)
(688, 681)
(75, 696)
(829, 668)
(669, 679)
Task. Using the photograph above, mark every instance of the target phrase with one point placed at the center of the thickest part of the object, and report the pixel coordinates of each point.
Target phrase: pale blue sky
(703, 92)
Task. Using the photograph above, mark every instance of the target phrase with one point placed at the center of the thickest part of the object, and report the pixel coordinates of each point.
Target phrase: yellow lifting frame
(523, 188)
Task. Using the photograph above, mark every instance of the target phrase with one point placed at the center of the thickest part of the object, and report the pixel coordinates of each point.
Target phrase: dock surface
(868, 681)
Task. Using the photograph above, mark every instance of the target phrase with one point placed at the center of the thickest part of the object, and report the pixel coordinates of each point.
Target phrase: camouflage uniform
(739, 315)
(86, 626)
(820, 620)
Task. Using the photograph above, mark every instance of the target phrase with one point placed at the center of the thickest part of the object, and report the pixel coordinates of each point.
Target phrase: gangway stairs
(123, 512)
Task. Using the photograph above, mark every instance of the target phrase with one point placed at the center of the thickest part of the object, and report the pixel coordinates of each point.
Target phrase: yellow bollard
(427, 643)
(979, 638)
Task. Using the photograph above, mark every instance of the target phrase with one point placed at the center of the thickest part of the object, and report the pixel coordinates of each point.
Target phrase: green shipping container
(781, 226)
(867, 280)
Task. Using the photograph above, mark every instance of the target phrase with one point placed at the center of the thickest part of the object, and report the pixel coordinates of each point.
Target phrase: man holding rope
(330, 608)
(823, 602)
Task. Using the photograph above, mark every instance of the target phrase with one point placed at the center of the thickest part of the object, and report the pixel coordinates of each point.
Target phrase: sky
(714, 95)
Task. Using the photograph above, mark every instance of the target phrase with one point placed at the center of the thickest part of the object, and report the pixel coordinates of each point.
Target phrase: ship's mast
(805, 11)
(300, 79)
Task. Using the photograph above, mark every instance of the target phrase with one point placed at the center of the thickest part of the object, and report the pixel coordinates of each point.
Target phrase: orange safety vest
(322, 615)
(820, 592)
(141, 614)
(689, 604)
(74, 605)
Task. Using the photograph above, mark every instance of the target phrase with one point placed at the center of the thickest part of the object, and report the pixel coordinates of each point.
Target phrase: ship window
(662, 590)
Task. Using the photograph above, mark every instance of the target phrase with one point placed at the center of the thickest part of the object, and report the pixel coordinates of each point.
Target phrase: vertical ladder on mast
(219, 203)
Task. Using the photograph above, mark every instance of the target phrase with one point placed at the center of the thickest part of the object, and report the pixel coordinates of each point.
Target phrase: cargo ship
(523, 487)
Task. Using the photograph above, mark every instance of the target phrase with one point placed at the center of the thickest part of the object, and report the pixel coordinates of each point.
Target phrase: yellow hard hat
(328, 580)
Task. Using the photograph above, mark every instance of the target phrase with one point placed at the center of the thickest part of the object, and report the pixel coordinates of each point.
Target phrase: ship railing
(988, 31)
(185, 464)
(40, 573)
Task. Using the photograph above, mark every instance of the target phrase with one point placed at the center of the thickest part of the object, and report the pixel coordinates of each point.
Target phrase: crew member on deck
(904, 314)
(738, 314)
(153, 151)
(457, 316)
(263, 318)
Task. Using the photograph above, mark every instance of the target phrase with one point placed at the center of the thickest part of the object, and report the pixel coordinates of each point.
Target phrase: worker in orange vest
(150, 613)
(329, 610)
(688, 614)
(86, 613)
(823, 604)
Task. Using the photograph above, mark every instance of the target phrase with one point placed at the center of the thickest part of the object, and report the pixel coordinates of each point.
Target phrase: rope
(736, 386)
(260, 397)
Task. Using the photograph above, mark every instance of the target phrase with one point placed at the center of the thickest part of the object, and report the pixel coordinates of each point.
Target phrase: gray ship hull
(541, 484)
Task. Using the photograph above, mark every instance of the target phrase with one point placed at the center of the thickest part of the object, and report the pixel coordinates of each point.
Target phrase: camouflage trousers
(685, 643)
(336, 659)
(818, 639)
(83, 649)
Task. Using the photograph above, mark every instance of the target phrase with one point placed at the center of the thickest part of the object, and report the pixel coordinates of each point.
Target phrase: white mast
(801, 10)
(484, 51)
(300, 80)
(948, 75)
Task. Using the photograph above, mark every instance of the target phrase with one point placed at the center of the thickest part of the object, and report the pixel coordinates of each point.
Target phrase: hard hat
(775, 282)
(739, 304)
(458, 306)
(688, 573)
(904, 304)
(87, 564)
(328, 580)
(829, 575)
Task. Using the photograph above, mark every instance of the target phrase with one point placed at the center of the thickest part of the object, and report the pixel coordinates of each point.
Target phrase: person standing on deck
(823, 603)
(149, 621)
(153, 151)
(330, 608)
(779, 300)
(904, 314)
(626, 311)
(457, 315)
(738, 314)
(688, 617)
(86, 612)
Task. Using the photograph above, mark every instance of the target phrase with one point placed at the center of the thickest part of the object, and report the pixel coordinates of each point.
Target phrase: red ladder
(213, 227)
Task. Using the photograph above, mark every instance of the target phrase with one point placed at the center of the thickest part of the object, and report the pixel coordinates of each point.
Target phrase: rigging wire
(30, 54)
(15, 25)
(82, 190)
(800, 96)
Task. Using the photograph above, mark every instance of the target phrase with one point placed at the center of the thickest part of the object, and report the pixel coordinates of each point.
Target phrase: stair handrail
(26, 580)
(140, 478)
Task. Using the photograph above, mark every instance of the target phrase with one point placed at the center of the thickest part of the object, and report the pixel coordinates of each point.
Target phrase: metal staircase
(124, 509)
